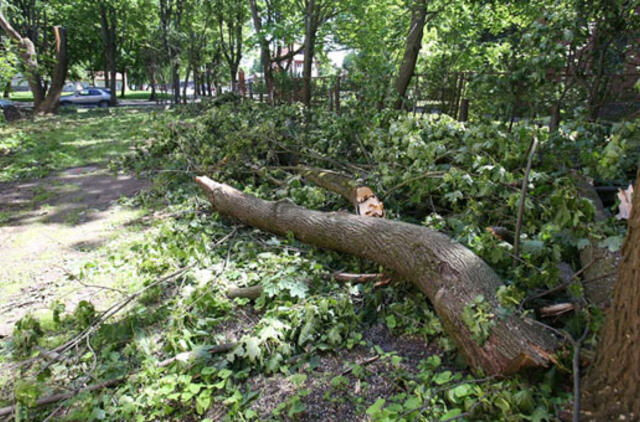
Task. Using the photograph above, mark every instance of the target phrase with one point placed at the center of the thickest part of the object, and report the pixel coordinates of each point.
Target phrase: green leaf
(451, 414)
(252, 345)
(442, 377)
(391, 321)
(298, 379)
(375, 407)
(412, 403)
(614, 243)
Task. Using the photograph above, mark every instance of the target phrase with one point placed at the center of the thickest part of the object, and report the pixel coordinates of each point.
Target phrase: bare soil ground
(51, 225)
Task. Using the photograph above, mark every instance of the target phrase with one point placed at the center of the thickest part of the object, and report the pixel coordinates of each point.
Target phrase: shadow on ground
(50, 225)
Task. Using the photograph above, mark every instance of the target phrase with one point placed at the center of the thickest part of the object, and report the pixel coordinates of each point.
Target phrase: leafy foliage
(457, 178)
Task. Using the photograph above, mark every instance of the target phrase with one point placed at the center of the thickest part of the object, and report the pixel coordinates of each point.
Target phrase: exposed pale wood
(556, 309)
(191, 355)
(363, 199)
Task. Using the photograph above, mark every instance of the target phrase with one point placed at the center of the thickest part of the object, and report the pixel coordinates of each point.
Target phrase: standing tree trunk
(265, 55)
(124, 82)
(186, 85)
(108, 30)
(50, 103)
(43, 102)
(175, 82)
(457, 281)
(311, 27)
(612, 387)
(412, 48)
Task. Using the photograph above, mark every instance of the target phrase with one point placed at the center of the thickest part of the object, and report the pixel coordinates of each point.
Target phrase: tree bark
(175, 82)
(363, 199)
(412, 48)
(108, 30)
(265, 55)
(124, 82)
(601, 264)
(311, 27)
(449, 274)
(51, 101)
(29, 60)
(612, 386)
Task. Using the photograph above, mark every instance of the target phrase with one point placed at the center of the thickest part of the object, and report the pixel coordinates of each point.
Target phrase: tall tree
(412, 48)
(109, 26)
(231, 16)
(170, 25)
(612, 386)
(316, 13)
(274, 23)
(45, 100)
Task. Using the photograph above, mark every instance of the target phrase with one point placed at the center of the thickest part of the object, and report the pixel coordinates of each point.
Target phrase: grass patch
(34, 148)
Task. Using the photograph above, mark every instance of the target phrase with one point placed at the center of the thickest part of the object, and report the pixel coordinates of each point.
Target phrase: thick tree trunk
(108, 27)
(612, 386)
(29, 60)
(50, 103)
(311, 27)
(412, 48)
(7, 90)
(451, 276)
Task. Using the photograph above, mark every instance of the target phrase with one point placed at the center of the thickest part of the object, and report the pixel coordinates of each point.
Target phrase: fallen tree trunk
(457, 282)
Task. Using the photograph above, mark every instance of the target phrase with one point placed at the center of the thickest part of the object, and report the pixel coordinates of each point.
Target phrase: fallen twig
(523, 195)
(220, 348)
(54, 398)
(556, 309)
(245, 292)
(362, 363)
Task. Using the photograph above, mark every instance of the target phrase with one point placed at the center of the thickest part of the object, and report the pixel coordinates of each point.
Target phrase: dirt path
(49, 227)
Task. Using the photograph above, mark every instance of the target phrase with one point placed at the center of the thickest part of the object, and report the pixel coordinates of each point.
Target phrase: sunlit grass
(34, 148)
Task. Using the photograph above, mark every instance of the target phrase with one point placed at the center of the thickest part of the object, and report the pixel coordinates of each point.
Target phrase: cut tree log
(455, 280)
(363, 199)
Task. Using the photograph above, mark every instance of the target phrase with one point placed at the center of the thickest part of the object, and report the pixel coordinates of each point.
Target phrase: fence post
(337, 94)
(261, 97)
(330, 99)
(417, 97)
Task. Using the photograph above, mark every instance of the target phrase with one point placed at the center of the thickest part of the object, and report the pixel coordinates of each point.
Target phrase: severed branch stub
(453, 278)
(363, 199)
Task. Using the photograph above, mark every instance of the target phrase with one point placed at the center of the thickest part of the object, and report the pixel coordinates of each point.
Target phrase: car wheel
(103, 104)
(65, 103)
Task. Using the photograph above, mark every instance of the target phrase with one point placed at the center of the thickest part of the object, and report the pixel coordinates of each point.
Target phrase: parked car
(88, 96)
